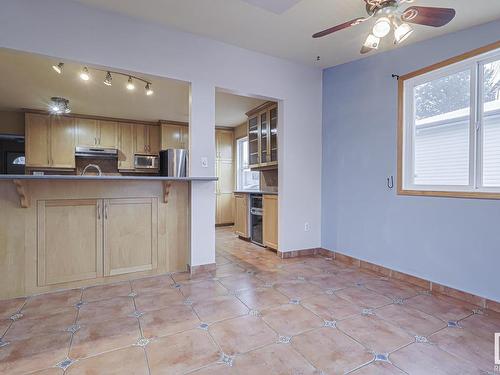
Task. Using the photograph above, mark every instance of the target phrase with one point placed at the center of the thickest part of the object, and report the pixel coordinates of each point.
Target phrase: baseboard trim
(396, 275)
(203, 268)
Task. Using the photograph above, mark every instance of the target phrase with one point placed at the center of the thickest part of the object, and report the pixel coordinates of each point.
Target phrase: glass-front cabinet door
(264, 137)
(273, 135)
(253, 141)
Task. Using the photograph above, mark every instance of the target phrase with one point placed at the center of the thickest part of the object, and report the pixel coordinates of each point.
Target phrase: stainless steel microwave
(146, 162)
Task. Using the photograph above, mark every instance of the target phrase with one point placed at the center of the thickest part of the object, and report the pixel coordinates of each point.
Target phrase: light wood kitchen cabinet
(50, 141)
(126, 146)
(37, 140)
(270, 221)
(147, 139)
(69, 240)
(241, 215)
(224, 166)
(174, 136)
(107, 134)
(263, 136)
(101, 133)
(130, 235)
(62, 142)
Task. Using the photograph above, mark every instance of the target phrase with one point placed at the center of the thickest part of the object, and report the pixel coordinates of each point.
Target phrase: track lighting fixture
(84, 74)
(59, 106)
(58, 68)
(130, 84)
(149, 90)
(108, 79)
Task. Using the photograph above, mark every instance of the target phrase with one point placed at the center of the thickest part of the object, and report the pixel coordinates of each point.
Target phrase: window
(450, 127)
(245, 178)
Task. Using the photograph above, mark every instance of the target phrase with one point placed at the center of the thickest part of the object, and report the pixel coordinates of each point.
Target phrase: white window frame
(473, 61)
(239, 167)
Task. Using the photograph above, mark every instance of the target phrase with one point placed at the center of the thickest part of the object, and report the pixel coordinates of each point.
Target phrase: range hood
(96, 152)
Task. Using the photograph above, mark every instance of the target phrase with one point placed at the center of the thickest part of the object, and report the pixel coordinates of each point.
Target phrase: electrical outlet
(204, 162)
(307, 227)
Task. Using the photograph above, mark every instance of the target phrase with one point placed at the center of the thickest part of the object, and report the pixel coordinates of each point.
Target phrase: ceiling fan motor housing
(376, 6)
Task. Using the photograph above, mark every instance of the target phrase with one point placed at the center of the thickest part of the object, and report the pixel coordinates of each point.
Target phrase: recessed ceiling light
(58, 68)
(84, 74)
(108, 79)
(130, 84)
(149, 90)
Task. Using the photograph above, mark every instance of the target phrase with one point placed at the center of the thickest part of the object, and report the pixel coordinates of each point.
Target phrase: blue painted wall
(452, 241)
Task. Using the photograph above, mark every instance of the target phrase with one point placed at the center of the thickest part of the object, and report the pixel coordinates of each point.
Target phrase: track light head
(130, 84)
(149, 90)
(59, 106)
(84, 74)
(58, 68)
(108, 79)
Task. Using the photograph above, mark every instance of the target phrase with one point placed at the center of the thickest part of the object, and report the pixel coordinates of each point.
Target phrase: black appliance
(256, 219)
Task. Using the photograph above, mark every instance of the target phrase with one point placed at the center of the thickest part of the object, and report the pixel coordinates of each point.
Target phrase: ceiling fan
(387, 14)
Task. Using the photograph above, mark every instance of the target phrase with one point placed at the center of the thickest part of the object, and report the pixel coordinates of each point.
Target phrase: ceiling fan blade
(342, 26)
(428, 16)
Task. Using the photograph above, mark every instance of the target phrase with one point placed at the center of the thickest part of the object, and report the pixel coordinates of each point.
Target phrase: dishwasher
(256, 213)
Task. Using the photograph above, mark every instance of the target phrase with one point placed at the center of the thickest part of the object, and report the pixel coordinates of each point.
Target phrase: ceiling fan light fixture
(372, 42)
(382, 27)
(402, 32)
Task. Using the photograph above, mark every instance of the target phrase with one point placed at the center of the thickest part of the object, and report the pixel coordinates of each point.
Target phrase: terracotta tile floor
(256, 314)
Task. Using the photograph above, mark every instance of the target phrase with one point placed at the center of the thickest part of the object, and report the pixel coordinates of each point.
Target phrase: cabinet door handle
(98, 211)
(106, 211)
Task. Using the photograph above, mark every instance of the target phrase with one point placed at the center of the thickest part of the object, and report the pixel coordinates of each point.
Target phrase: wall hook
(390, 182)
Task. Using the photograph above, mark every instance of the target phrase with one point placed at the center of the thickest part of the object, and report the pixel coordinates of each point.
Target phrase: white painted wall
(72, 31)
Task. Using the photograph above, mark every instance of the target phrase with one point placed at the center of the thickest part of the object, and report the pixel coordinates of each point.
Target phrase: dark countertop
(256, 192)
(103, 178)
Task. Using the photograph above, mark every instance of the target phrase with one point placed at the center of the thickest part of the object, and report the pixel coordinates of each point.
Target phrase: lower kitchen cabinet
(241, 215)
(69, 240)
(270, 221)
(80, 239)
(130, 235)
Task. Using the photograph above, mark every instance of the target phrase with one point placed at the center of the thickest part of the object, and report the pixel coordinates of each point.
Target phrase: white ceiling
(259, 24)
(28, 81)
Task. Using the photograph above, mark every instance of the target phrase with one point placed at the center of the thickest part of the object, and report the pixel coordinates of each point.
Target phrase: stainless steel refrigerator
(174, 162)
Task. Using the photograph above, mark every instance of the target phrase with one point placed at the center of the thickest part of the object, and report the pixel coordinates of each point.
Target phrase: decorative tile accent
(234, 293)
(330, 292)
(16, 316)
(226, 359)
(453, 324)
(142, 342)
(368, 312)
(398, 301)
(64, 364)
(3, 343)
(175, 286)
(328, 258)
(137, 314)
(425, 293)
(254, 312)
(421, 339)
(250, 272)
(80, 304)
(188, 302)
(478, 311)
(215, 279)
(203, 326)
(330, 323)
(132, 294)
(73, 328)
(295, 301)
(268, 285)
(301, 278)
(359, 283)
(284, 339)
(381, 357)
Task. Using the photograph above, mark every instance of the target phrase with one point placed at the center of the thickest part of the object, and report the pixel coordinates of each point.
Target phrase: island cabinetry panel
(130, 235)
(50, 141)
(241, 215)
(69, 238)
(270, 221)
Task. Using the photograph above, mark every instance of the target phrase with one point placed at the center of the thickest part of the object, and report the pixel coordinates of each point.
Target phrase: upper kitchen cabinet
(126, 146)
(50, 141)
(92, 133)
(147, 139)
(263, 136)
(174, 136)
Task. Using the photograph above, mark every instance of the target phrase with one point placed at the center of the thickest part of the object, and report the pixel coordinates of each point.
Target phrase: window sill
(449, 194)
